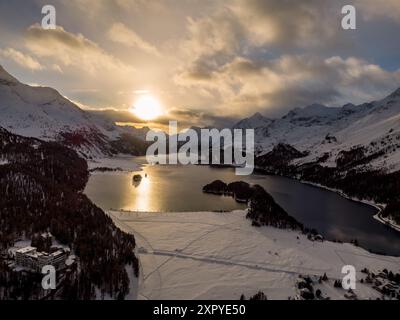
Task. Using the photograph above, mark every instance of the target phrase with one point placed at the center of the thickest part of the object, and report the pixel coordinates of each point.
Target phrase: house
(30, 258)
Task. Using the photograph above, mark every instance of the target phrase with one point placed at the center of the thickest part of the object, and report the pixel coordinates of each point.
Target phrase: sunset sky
(207, 62)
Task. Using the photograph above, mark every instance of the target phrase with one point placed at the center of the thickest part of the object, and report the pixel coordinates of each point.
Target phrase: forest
(262, 208)
(41, 188)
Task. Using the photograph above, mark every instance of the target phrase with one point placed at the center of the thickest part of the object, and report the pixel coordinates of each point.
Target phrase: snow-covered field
(208, 255)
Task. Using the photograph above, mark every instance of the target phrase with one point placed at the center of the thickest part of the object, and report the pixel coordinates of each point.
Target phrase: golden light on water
(141, 201)
(147, 107)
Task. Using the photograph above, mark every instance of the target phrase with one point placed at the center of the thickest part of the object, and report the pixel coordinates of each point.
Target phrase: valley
(46, 142)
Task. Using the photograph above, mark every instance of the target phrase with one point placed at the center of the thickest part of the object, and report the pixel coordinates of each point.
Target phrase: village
(314, 288)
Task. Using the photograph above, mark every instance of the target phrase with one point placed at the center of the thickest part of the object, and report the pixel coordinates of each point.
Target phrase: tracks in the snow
(180, 253)
(147, 245)
(293, 270)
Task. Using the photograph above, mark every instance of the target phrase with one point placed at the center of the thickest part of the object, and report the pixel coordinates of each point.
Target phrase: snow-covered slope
(209, 255)
(255, 121)
(44, 113)
(324, 130)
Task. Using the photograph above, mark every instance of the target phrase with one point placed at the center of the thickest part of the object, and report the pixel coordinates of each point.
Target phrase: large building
(30, 258)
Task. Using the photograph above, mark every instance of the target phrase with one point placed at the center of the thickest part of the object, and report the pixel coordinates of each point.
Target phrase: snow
(209, 255)
(255, 121)
(133, 284)
(43, 113)
(19, 245)
(306, 128)
(387, 221)
(70, 260)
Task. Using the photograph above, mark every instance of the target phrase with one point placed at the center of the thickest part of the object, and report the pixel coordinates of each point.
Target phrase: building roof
(33, 253)
(26, 250)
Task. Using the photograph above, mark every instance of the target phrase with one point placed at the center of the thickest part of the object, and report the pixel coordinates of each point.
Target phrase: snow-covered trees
(41, 190)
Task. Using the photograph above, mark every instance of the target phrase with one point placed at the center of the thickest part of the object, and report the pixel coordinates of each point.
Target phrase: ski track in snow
(176, 244)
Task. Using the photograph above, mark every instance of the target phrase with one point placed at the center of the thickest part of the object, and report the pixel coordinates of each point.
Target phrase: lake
(179, 189)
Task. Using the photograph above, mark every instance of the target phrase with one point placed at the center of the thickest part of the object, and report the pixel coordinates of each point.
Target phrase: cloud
(289, 23)
(372, 9)
(271, 56)
(289, 81)
(84, 65)
(22, 59)
(211, 42)
(230, 57)
(72, 50)
(186, 117)
(120, 33)
(238, 26)
(226, 53)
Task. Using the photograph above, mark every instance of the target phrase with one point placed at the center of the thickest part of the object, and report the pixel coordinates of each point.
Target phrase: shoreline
(110, 212)
(389, 223)
(378, 206)
(132, 213)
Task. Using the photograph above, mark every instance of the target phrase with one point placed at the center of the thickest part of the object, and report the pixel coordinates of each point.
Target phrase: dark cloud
(184, 116)
(277, 85)
(290, 23)
(200, 118)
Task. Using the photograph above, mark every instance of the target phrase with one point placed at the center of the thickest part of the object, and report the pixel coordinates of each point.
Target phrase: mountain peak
(6, 77)
(257, 115)
(255, 121)
(314, 110)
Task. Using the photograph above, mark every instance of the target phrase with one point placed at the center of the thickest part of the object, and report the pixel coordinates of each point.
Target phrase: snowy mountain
(42, 112)
(326, 131)
(255, 121)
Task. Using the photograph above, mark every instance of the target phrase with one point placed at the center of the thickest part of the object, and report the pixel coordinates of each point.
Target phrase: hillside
(43, 113)
(324, 132)
(41, 185)
(354, 149)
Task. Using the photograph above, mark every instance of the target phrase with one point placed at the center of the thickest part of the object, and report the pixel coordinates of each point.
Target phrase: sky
(208, 62)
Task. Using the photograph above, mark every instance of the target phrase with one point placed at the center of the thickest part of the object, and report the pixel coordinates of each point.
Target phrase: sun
(147, 107)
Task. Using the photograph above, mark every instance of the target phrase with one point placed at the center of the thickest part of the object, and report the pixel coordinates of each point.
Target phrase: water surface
(178, 188)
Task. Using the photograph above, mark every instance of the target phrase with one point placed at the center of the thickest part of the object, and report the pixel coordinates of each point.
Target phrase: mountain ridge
(321, 130)
(42, 112)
